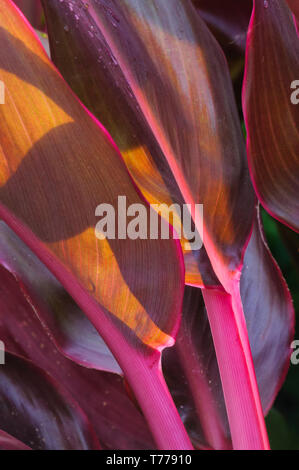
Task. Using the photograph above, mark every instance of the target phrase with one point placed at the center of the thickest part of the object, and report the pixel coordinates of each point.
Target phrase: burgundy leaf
(100, 395)
(63, 320)
(269, 316)
(270, 109)
(37, 411)
(51, 187)
(132, 49)
(179, 133)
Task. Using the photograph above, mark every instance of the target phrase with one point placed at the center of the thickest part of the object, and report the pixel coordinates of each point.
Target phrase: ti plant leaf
(48, 148)
(144, 342)
(271, 114)
(160, 66)
(45, 416)
(100, 395)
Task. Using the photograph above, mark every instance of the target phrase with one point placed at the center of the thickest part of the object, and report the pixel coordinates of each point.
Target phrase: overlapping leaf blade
(102, 397)
(65, 220)
(229, 22)
(51, 186)
(65, 323)
(269, 314)
(229, 19)
(162, 63)
(175, 193)
(159, 66)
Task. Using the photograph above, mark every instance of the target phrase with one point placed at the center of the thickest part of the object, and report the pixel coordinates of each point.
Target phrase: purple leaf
(100, 395)
(37, 411)
(269, 316)
(187, 130)
(63, 320)
(119, 284)
(179, 133)
(270, 109)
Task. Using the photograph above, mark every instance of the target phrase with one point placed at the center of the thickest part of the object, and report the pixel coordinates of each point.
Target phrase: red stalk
(237, 373)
